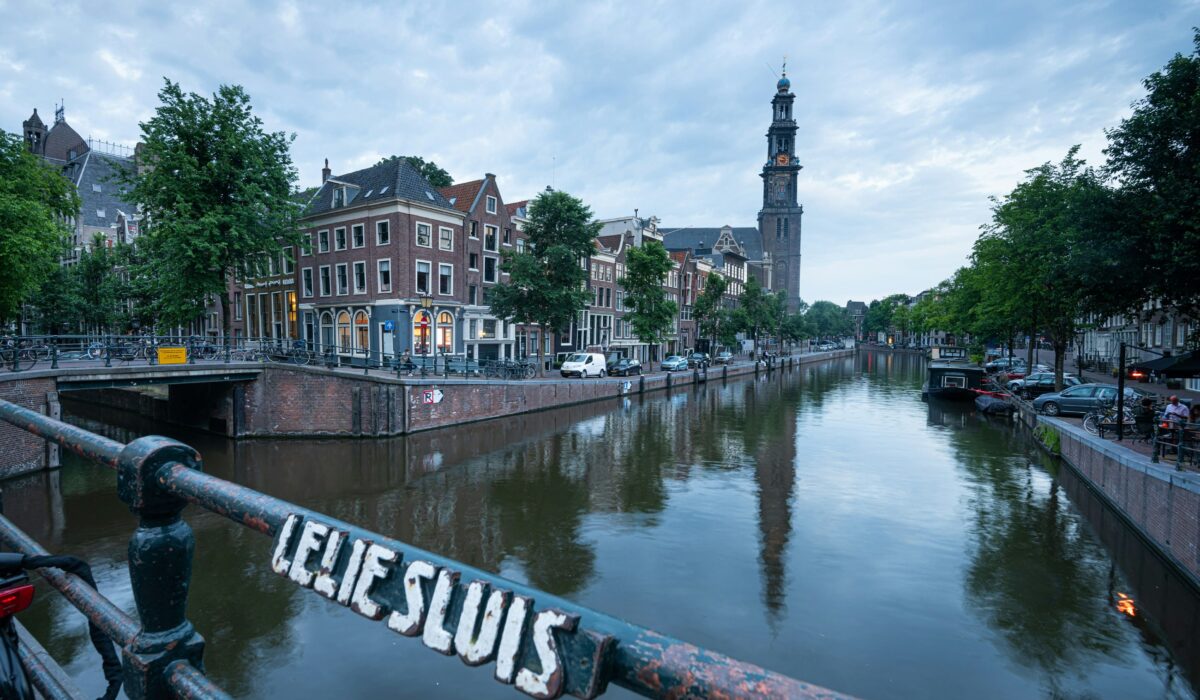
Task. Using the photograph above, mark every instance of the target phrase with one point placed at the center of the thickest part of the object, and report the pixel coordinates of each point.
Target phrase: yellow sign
(172, 356)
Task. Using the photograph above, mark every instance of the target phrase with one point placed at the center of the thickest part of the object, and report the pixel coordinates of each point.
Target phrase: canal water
(824, 523)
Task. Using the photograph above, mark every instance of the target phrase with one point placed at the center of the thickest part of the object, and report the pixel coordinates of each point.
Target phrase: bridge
(542, 645)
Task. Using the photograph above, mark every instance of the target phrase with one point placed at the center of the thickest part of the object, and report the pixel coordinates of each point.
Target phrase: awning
(1161, 364)
(1186, 365)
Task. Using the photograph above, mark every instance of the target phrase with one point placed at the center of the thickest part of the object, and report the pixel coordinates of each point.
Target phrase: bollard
(160, 567)
(724, 372)
(642, 383)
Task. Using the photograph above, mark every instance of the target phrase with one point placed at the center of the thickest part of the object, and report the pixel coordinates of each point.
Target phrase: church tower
(35, 134)
(779, 219)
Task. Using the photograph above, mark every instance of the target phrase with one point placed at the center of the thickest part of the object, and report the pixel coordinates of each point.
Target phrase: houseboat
(952, 379)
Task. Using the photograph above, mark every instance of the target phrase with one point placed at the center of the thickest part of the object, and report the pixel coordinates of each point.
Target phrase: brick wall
(20, 451)
(1161, 503)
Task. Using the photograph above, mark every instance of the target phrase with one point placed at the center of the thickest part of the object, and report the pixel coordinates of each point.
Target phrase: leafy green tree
(102, 289)
(755, 311)
(34, 202)
(546, 282)
(216, 190)
(436, 176)
(828, 320)
(650, 313)
(1154, 252)
(57, 303)
(709, 308)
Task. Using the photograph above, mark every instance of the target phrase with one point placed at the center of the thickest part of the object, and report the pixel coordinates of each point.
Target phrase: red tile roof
(463, 194)
(514, 206)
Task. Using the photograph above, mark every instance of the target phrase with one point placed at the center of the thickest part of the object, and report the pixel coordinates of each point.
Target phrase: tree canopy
(828, 320)
(436, 176)
(217, 192)
(649, 312)
(35, 200)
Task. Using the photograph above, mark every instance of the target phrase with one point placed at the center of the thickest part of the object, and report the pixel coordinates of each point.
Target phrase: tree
(828, 320)
(430, 170)
(34, 202)
(1155, 156)
(754, 312)
(101, 288)
(57, 302)
(546, 282)
(650, 313)
(216, 190)
(708, 309)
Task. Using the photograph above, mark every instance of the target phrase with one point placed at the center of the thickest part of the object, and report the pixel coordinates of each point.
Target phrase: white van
(584, 364)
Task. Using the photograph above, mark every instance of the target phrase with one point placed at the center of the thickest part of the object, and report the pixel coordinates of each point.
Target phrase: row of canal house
(391, 264)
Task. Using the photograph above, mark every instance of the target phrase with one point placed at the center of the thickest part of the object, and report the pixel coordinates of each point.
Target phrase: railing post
(54, 356)
(160, 567)
(108, 352)
(226, 349)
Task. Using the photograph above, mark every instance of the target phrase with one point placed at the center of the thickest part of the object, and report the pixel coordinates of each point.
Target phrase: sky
(910, 115)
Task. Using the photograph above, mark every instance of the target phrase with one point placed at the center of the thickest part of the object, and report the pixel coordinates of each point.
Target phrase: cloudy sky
(911, 114)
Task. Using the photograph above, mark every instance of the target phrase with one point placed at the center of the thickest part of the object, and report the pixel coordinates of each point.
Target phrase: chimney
(325, 172)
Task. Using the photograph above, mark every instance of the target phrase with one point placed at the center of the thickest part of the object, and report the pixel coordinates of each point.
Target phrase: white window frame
(289, 261)
(308, 292)
(474, 268)
(387, 224)
(495, 238)
(473, 229)
(379, 275)
(323, 248)
(495, 269)
(321, 291)
(417, 276)
(441, 267)
(491, 204)
(428, 235)
(354, 277)
(363, 228)
(337, 287)
(441, 241)
(336, 247)
(306, 247)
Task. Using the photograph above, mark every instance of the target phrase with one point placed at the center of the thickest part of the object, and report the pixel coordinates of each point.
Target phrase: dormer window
(339, 197)
(96, 187)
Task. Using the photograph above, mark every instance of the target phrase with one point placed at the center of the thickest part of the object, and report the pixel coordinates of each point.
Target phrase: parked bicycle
(1106, 418)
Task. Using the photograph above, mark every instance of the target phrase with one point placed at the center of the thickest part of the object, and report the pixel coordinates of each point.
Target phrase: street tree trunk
(541, 343)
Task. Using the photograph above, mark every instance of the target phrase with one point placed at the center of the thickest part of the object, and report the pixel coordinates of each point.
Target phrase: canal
(824, 523)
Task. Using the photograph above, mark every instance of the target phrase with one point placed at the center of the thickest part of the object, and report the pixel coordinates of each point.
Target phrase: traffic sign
(432, 396)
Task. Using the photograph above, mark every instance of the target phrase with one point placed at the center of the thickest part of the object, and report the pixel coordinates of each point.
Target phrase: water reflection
(824, 523)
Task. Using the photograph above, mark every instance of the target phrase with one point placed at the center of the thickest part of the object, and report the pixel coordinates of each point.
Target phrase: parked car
(1014, 385)
(723, 358)
(1083, 398)
(675, 363)
(584, 364)
(1031, 388)
(698, 359)
(625, 367)
(1002, 363)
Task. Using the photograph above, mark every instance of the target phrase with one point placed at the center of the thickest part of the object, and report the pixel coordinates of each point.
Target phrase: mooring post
(160, 567)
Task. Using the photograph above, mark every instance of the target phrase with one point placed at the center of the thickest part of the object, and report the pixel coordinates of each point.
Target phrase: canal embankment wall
(1157, 501)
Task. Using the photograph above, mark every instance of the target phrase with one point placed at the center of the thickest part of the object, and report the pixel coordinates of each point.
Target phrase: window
(385, 275)
(489, 237)
(358, 236)
(421, 324)
(322, 241)
(445, 238)
(325, 285)
(289, 262)
(306, 282)
(360, 278)
(343, 281)
(491, 204)
(445, 329)
(474, 229)
(520, 245)
(100, 213)
(339, 239)
(343, 331)
(445, 279)
(383, 232)
(489, 269)
(339, 197)
(362, 331)
(96, 187)
(424, 232)
(473, 261)
(237, 305)
(488, 329)
(472, 294)
(423, 272)
(306, 245)
(508, 236)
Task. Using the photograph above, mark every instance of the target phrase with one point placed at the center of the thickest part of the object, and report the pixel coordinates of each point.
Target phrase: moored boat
(952, 380)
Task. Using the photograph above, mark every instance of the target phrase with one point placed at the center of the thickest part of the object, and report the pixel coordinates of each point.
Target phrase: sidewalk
(1046, 357)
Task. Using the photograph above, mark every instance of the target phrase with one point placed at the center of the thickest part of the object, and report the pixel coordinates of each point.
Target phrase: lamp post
(426, 326)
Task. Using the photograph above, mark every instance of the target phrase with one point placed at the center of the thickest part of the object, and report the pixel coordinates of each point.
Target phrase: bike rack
(546, 645)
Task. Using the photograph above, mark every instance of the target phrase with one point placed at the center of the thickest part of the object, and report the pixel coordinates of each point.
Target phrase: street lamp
(426, 326)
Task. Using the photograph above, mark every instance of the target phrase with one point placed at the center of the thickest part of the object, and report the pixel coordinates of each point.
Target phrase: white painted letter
(357, 550)
(373, 568)
(435, 636)
(324, 583)
(279, 562)
(548, 683)
(510, 641)
(409, 623)
(311, 539)
(479, 649)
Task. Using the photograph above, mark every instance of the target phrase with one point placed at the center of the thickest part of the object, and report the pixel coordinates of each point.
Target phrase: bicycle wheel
(1091, 423)
(95, 350)
(300, 356)
(530, 370)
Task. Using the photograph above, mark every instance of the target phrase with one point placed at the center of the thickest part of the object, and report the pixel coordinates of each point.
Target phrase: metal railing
(542, 644)
(1180, 439)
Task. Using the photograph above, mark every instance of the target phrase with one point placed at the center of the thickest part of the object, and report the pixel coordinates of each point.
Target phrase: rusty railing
(543, 645)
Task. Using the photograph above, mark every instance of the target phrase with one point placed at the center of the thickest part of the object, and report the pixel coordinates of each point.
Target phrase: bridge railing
(542, 644)
(23, 353)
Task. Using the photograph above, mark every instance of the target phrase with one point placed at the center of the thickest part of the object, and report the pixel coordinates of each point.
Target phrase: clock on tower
(779, 219)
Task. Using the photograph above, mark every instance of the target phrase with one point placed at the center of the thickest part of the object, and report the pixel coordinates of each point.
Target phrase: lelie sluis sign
(172, 356)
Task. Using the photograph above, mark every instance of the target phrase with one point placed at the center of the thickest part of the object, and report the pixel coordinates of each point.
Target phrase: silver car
(1083, 398)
